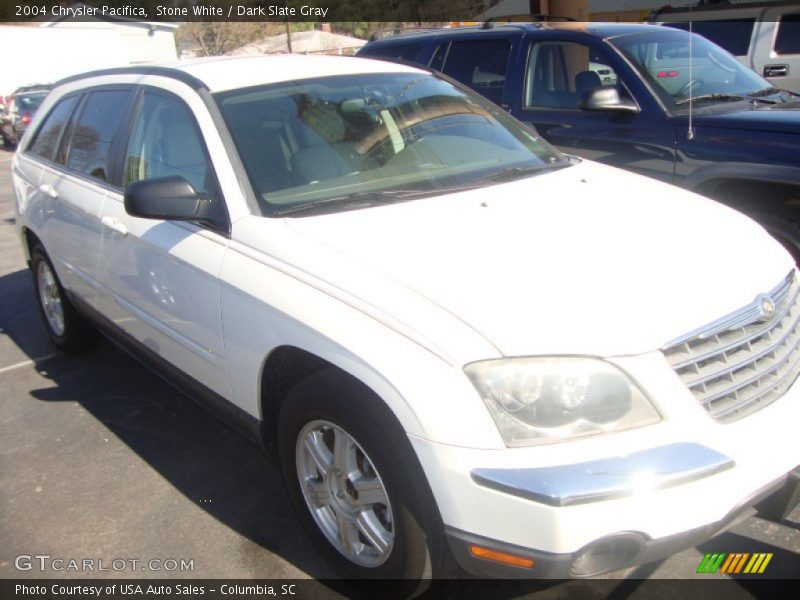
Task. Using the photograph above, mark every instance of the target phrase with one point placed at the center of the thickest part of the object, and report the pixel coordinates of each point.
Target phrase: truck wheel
(357, 486)
(66, 328)
(785, 231)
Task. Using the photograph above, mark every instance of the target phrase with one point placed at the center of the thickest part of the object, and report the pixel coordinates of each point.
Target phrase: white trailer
(47, 53)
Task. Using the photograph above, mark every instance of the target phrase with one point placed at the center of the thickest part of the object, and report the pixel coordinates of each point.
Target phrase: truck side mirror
(606, 99)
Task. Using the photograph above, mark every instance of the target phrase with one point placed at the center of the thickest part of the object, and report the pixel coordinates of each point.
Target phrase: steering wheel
(684, 91)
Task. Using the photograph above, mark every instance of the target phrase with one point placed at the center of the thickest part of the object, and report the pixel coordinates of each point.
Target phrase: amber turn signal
(501, 557)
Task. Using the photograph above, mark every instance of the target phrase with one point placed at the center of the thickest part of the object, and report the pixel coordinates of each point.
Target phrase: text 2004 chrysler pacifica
(465, 347)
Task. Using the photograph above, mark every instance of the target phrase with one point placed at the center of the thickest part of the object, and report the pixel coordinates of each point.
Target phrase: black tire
(784, 230)
(419, 550)
(74, 334)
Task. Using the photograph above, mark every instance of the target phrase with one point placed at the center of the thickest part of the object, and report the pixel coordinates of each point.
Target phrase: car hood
(779, 118)
(585, 260)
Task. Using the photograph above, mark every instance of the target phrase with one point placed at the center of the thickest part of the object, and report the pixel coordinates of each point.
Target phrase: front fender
(264, 308)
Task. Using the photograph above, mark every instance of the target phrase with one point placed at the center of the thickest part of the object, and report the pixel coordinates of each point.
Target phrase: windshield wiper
(705, 97)
(356, 200)
(511, 173)
(769, 91)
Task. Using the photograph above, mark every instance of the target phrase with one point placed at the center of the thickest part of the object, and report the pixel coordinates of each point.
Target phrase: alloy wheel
(344, 493)
(50, 297)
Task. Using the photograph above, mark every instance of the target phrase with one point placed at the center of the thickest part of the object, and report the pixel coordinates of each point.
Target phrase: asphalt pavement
(100, 460)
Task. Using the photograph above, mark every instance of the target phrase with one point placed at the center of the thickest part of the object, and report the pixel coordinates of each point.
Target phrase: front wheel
(344, 493)
(356, 483)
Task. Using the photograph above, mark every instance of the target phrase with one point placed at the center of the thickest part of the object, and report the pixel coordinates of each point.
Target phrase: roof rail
(378, 35)
(181, 76)
(532, 18)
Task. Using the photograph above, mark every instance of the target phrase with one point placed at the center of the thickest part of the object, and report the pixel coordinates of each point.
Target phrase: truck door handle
(776, 70)
(114, 225)
(48, 190)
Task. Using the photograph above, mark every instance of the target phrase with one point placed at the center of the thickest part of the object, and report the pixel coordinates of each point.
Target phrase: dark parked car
(20, 108)
(638, 97)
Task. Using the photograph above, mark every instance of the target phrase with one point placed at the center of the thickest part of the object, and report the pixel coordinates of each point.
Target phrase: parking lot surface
(102, 460)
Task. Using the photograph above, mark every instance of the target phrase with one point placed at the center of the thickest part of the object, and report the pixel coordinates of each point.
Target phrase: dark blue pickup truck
(658, 101)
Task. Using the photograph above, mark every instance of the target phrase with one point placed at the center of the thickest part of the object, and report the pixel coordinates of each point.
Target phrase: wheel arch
(287, 365)
(30, 239)
(747, 186)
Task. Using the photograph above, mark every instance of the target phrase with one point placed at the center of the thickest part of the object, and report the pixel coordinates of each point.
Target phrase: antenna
(690, 133)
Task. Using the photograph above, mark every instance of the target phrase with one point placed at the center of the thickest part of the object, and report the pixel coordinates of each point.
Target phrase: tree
(215, 38)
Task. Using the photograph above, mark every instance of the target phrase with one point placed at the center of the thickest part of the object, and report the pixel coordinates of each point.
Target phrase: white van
(763, 36)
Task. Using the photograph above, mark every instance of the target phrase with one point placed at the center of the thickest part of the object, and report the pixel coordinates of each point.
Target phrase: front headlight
(541, 400)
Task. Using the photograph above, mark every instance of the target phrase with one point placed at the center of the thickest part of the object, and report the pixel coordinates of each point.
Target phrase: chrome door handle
(776, 70)
(114, 225)
(48, 190)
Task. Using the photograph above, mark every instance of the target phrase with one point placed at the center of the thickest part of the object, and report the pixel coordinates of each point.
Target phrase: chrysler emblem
(767, 307)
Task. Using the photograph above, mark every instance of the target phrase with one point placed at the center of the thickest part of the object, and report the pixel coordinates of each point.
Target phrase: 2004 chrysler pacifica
(464, 347)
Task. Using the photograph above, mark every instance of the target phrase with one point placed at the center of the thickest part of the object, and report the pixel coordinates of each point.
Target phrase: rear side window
(94, 131)
(44, 144)
(788, 39)
(731, 34)
(480, 64)
(407, 52)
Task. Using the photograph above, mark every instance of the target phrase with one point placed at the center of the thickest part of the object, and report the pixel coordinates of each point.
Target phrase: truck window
(787, 41)
(559, 73)
(479, 64)
(732, 34)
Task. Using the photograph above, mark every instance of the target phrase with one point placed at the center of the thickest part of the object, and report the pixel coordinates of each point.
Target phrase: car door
(557, 72)
(160, 277)
(75, 145)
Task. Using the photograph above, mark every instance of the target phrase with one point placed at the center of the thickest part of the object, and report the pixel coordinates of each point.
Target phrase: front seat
(585, 81)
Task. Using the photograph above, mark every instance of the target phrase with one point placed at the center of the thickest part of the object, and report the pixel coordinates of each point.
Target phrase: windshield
(662, 57)
(370, 138)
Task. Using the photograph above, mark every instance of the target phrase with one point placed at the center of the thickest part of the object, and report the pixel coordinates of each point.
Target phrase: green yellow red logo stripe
(735, 562)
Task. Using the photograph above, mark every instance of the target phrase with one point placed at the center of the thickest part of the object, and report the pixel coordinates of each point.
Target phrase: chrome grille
(747, 359)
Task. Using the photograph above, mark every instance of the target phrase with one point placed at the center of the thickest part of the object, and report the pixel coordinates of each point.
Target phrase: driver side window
(560, 73)
(165, 141)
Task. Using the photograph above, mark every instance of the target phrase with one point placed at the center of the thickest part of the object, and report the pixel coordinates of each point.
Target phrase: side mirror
(170, 199)
(606, 99)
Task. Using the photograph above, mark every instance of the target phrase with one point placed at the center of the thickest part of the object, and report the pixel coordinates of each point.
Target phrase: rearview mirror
(606, 99)
(171, 199)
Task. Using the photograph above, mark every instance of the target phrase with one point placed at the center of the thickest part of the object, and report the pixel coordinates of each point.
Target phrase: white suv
(464, 347)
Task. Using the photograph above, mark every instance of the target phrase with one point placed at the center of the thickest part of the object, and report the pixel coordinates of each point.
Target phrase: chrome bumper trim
(655, 468)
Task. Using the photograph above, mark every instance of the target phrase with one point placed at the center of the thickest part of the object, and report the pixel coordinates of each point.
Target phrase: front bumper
(682, 479)
(605, 479)
(615, 551)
